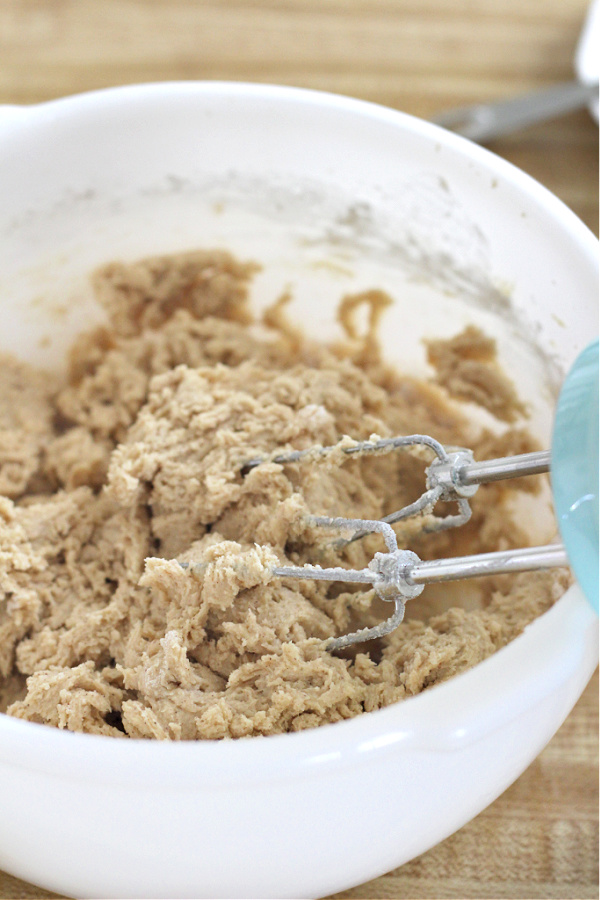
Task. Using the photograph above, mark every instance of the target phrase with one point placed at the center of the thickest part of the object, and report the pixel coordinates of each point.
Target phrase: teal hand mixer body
(399, 575)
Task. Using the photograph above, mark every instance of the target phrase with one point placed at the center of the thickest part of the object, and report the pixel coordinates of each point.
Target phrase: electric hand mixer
(400, 575)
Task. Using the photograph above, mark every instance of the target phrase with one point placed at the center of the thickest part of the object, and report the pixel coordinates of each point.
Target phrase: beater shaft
(505, 467)
(500, 562)
(433, 571)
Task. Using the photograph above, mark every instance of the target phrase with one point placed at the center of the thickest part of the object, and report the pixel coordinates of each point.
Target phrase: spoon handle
(485, 121)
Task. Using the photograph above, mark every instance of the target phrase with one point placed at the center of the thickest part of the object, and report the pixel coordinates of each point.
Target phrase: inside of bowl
(328, 200)
(313, 243)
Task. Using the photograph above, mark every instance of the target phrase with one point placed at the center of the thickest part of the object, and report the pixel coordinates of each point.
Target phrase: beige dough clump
(136, 462)
(466, 365)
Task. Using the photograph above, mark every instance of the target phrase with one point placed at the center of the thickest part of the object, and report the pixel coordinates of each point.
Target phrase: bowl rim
(418, 723)
(14, 116)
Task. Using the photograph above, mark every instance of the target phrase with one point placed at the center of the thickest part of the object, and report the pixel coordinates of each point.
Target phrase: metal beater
(400, 575)
(454, 476)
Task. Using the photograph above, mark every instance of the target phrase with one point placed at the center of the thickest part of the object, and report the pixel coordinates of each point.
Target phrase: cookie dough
(136, 462)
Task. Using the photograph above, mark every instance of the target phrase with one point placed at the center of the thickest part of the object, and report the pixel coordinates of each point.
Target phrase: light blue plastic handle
(574, 469)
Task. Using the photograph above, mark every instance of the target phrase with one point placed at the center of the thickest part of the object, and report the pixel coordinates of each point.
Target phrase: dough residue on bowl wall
(135, 461)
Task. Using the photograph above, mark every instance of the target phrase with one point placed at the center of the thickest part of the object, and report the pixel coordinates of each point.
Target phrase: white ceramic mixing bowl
(331, 195)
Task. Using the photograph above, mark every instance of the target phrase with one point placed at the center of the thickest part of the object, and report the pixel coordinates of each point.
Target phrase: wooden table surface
(540, 839)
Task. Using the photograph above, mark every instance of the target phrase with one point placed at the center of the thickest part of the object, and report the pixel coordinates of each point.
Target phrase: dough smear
(135, 462)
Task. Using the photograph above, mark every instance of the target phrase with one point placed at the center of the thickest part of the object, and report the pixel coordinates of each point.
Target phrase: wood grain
(421, 56)
(540, 839)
